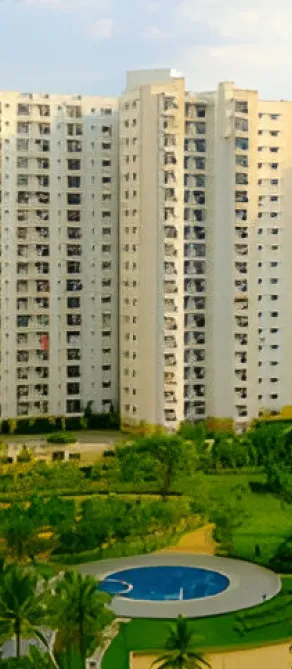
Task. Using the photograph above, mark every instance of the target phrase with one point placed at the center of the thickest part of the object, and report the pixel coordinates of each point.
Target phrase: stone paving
(249, 585)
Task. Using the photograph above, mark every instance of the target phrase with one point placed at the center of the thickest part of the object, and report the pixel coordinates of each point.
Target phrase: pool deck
(249, 585)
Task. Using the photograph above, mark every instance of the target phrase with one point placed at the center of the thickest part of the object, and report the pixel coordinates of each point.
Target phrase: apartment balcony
(194, 373)
(240, 304)
(241, 249)
(194, 165)
(194, 268)
(170, 360)
(197, 356)
(170, 269)
(170, 378)
(170, 324)
(240, 215)
(194, 197)
(241, 196)
(241, 321)
(170, 342)
(192, 339)
(241, 288)
(194, 215)
(194, 286)
(195, 250)
(194, 303)
(194, 128)
(194, 392)
(241, 267)
(170, 156)
(170, 287)
(170, 306)
(241, 359)
(194, 410)
(241, 375)
(241, 394)
(241, 339)
(170, 416)
(170, 250)
(195, 181)
(193, 233)
(242, 232)
(169, 398)
(170, 232)
(194, 321)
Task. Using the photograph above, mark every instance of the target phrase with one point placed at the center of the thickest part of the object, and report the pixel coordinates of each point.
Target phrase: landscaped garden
(137, 498)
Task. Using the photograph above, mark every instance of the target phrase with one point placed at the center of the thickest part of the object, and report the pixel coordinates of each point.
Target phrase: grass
(267, 519)
(216, 632)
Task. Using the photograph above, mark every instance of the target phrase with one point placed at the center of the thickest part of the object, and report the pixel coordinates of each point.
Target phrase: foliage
(22, 610)
(79, 612)
(61, 438)
(160, 457)
(48, 424)
(24, 455)
(179, 649)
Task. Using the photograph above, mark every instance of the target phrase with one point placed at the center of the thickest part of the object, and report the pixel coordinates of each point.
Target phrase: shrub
(24, 455)
(61, 438)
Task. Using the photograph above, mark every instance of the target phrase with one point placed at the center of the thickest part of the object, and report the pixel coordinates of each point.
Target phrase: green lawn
(267, 519)
(268, 523)
(216, 633)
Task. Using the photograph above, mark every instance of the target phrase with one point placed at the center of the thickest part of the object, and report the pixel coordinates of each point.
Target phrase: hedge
(49, 424)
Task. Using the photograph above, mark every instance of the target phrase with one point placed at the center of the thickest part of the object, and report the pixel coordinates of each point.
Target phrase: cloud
(249, 44)
(102, 29)
(261, 20)
(156, 33)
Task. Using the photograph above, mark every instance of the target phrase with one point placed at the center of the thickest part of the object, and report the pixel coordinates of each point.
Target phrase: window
(274, 149)
(274, 166)
(274, 117)
(241, 106)
(74, 198)
(74, 182)
(74, 164)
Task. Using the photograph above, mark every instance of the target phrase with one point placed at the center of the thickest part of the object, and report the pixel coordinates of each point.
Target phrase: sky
(86, 46)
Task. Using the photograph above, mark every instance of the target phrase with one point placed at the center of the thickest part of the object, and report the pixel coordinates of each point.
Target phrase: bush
(24, 455)
(61, 438)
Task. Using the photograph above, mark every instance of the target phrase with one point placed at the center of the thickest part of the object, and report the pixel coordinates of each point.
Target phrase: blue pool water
(164, 583)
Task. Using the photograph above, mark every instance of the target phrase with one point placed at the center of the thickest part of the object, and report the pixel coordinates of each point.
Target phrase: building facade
(145, 253)
(59, 252)
(205, 187)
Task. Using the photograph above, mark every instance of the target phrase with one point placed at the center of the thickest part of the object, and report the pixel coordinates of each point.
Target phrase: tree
(22, 609)
(79, 612)
(179, 647)
(165, 455)
(20, 533)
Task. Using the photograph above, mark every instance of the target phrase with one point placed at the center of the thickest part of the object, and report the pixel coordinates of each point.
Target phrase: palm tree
(79, 612)
(179, 647)
(22, 609)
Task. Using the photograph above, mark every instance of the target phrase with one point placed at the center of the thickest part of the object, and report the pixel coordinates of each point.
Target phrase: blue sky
(86, 46)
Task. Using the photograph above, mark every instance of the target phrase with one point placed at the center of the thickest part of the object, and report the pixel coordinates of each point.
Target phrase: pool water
(165, 583)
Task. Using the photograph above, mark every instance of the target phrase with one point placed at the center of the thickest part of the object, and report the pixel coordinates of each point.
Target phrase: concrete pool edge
(250, 585)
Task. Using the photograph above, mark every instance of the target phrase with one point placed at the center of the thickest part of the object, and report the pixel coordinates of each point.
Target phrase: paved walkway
(249, 584)
(198, 541)
(268, 657)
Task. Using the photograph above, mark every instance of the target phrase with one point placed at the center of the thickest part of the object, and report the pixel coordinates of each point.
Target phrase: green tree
(166, 456)
(180, 650)
(80, 613)
(20, 533)
(22, 608)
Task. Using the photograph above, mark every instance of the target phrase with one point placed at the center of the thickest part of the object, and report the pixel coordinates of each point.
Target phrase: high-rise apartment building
(205, 243)
(145, 251)
(59, 252)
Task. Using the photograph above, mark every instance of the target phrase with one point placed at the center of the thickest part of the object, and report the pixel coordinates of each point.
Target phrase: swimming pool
(165, 583)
